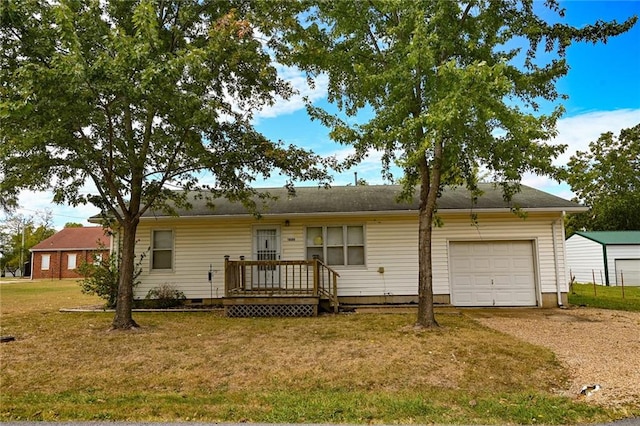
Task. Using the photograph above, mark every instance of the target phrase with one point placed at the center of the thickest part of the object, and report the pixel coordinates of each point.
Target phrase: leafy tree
(449, 88)
(607, 178)
(138, 97)
(73, 225)
(18, 234)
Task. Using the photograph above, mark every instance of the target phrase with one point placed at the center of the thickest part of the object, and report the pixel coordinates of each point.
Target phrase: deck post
(316, 274)
(227, 276)
(242, 273)
(335, 293)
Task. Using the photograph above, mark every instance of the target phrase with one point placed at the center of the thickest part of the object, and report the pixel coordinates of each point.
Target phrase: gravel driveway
(598, 346)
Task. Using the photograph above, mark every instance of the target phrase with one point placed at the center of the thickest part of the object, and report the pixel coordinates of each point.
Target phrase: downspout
(31, 272)
(555, 258)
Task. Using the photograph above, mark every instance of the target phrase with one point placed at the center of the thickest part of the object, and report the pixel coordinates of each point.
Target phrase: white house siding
(391, 242)
(585, 259)
(622, 252)
(198, 243)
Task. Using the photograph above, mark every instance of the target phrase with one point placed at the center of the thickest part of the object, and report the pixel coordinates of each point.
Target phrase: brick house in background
(58, 256)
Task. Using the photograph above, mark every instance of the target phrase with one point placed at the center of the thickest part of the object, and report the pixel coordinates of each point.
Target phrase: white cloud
(31, 202)
(577, 132)
(302, 89)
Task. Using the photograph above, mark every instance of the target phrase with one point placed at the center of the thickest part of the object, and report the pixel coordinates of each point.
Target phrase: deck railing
(281, 278)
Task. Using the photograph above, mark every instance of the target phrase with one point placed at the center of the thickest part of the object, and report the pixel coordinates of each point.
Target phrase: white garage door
(629, 269)
(493, 273)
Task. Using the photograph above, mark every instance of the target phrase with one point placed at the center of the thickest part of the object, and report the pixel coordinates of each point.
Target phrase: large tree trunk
(123, 319)
(429, 188)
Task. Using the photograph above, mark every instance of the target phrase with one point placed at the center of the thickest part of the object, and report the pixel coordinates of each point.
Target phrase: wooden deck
(278, 287)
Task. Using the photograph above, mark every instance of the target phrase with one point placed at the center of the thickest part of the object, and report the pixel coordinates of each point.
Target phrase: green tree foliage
(136, 96)
(607, 179)
(73, 225)
(100, 278)
(453, 86)
(18, 234)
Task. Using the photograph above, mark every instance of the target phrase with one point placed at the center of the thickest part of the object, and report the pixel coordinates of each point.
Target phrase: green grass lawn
(605, 297)
(348, 368)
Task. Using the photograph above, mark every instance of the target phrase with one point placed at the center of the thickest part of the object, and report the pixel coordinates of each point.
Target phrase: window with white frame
(71, 261)
(162, 249)
(46, 260)
(336, 245)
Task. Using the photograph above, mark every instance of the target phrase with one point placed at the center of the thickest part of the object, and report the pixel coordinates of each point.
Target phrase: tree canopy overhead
(607, 179)
(454, 86)
(134, 96)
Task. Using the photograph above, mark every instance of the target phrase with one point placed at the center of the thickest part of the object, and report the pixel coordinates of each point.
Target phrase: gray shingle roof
(376, 198)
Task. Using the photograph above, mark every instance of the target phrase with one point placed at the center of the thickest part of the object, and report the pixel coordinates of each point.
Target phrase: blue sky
(603, 86)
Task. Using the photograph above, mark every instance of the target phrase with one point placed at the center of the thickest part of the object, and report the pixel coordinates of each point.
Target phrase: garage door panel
(466, 250)
(501, 280)
(492, 273)
(463, 264)
(629, 269)
(522, 263)
(484, 297)
(501, 264)
(480, 263)
(497, 250)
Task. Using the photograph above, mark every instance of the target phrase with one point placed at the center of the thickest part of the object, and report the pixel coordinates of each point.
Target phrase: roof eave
(372, 212)
(70, 249)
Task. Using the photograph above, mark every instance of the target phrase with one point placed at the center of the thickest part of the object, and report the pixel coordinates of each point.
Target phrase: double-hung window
(336, 245)
(162, 249)
(71, 261)
(46, 261)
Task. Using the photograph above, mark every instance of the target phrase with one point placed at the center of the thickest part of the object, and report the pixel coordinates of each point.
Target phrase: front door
(266, 246)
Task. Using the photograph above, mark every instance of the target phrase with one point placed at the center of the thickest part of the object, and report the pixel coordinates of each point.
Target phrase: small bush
(101, 279)
(102, 276)
(165, 296)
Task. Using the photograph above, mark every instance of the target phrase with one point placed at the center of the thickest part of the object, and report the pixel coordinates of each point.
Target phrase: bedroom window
(336, 245)
(162, 250)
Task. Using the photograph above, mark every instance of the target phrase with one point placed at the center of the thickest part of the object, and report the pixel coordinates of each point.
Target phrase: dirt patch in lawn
(598, 346)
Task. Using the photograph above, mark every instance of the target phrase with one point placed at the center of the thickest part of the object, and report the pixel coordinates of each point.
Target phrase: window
(162, 250)
(71, 261)
(46, 259)
(336, 245)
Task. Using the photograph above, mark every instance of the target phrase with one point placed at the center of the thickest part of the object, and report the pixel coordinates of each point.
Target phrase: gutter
(382, 213)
